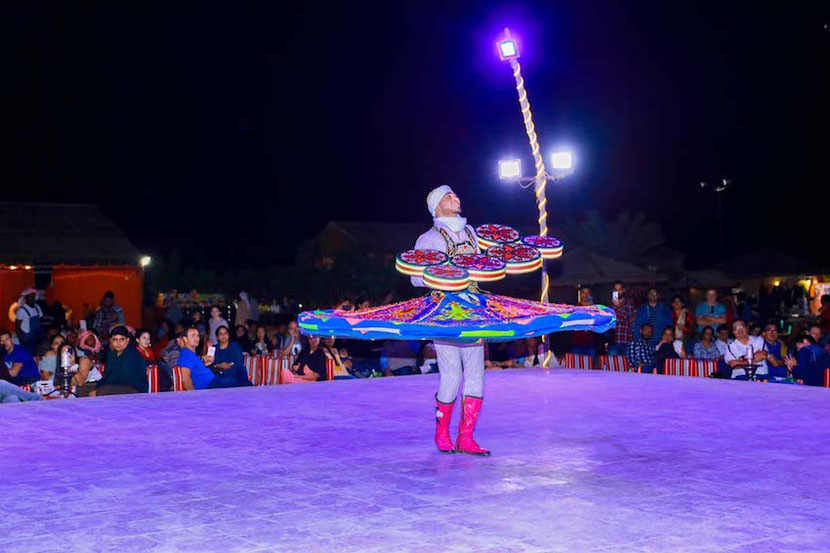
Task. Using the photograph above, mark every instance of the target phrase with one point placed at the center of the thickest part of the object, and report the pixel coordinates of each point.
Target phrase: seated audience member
(426, 359)
(811, 363)
(125, 368)
(262, 345)
(824, 315)
(71, 337)
(776, 351)
(50, 360)
(215, 322)
(745, 350)
(78, 366)
(682, 319)
(241, 337)
(722, 341)
(341, 371)
(641, 351)
(398, 358)
(500, 356)
(142, 344)
(46, 343)
(534, 353)
(89, 345)
(170, 355)
(228, 357)
(710, 312)
(815, 332)
(293, 343)
(164, 333)
(311, 362)
(667, 348)
(706, 348)
(654, 312)
(19, 366)
(195, 374)
(198, 321)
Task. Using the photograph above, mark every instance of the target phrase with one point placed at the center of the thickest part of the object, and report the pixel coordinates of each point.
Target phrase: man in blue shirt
(710, 312)
(654, 312)
(195, 374)
(812, 361)
(19, 366)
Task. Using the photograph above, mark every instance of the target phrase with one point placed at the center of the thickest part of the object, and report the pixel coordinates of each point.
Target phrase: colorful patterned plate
(492, 235)
(413, 262)
(482, 268)
(447, 278)
(519, 259)
(548, 246)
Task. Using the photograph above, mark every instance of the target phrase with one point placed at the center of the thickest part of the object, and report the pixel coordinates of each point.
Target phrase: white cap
(434, 198)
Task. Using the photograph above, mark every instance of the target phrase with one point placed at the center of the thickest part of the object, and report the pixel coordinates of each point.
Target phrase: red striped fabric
(329, 369)
(153, 386)
(178, 381)
(577, 361)
(827, 378)
(618, 363)
(706, 367)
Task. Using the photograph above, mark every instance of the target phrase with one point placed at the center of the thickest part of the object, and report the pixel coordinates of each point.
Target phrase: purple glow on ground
(582, 461)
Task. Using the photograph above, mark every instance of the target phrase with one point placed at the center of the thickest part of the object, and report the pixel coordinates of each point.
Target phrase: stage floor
(582, 461)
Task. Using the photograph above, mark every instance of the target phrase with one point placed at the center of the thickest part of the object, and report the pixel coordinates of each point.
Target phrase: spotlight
(510, 169)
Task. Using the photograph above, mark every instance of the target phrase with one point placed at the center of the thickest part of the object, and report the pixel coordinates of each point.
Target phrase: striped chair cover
(284, 364)
(705, 367)
(679, 367)
(153, 386)
(618, 363)
(827, 378)
(250, 366)
(178, 382)
(577, 361)
(329, 369)
(267, 371)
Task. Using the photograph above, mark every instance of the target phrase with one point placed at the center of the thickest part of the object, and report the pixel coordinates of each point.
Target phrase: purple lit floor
(583, 461)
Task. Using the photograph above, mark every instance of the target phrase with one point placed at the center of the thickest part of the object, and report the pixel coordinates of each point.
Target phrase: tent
(73, 252)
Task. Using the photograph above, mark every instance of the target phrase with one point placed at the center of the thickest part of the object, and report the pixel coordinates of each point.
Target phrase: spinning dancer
(452, 235)
(456, 315)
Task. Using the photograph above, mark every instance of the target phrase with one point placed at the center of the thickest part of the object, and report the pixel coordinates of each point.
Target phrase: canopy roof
(582, 266)
(53, 234)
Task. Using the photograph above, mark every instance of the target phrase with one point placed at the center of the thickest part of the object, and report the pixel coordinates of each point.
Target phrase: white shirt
(736, 350)
(721, 345)
(26, 312)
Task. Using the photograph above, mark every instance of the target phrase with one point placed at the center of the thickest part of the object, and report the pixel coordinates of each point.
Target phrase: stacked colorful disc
(482, 268)
(548, 246)
(519, 258)
(446, 277)
(493, 235)
(413, 262)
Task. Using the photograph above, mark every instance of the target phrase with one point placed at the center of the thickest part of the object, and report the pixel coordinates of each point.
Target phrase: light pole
(509, 51)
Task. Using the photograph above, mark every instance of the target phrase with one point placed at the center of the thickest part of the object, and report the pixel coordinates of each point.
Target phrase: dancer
(456, 315)
(452, 235)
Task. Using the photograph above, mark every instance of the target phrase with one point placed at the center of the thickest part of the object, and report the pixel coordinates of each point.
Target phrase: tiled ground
(583, 461)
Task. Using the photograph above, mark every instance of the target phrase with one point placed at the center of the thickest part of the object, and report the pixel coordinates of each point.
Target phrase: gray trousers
(455, 361)
(9, 393)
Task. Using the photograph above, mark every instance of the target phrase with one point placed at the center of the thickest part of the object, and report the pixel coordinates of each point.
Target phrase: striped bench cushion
(577, 361)
(618, 363)
(178, 382)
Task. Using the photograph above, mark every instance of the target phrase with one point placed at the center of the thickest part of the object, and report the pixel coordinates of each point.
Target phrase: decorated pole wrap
(538, 162)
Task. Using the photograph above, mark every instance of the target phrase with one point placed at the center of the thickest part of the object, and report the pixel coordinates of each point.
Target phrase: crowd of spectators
(102, 355)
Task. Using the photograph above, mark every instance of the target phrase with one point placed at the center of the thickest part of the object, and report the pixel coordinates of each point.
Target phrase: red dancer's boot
(443, 412)
(470, 408)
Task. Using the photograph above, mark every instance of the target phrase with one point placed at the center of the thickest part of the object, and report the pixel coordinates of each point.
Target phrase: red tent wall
(11, 284)
(75, 285)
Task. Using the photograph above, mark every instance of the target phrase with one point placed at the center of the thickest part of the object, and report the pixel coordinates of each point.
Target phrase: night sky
(232, 132)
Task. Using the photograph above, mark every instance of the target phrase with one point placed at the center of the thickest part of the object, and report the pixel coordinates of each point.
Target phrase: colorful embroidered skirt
(457, 317)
